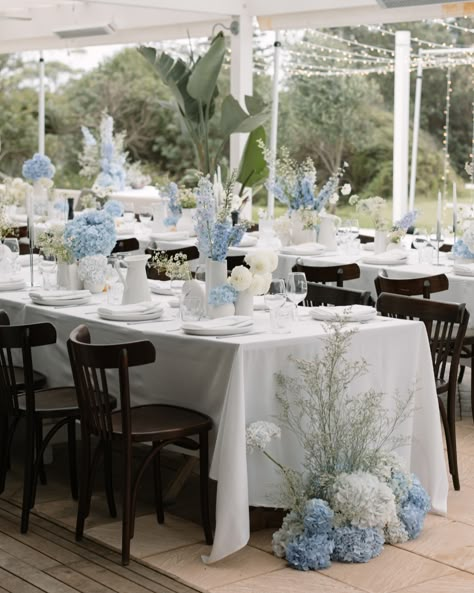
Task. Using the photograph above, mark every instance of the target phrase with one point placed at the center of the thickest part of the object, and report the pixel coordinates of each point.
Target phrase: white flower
(282, 225)
(334, 199)
(262, 262)
(260, 284)
(260, 433)
(346, 189)
(46, 183)
(395, 532)
(291, 527)
(363, 500)
(468, 237)
(240, 278)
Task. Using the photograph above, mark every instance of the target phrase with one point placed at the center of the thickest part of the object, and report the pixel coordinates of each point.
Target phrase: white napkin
(170, 236)
(343, 312)
(146, 308)
(304, 249)
(59, 295)
(247, 241)
(12, 281)
(163, 286)
(222, 322)
(464, 269)
(392, 256)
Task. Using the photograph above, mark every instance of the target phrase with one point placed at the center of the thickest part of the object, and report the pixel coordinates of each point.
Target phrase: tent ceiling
(30, 24)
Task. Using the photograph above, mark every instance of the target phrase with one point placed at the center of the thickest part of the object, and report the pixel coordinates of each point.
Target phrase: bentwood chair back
(235, 260)
(25, 401)
(191, 253)
(425, 286)
(125, 245)
(446, 324)
(161, 425)
(322, 274)
(321, 294)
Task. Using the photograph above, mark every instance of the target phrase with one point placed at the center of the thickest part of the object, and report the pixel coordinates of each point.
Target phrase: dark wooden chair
(159, 424)
(446, 325)
(321, 294)
(58, 405)
(323, 274)
(366, 239)
(191, 253)
(124, 245)
(235, 260)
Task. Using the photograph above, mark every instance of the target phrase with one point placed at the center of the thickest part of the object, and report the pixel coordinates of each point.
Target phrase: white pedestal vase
(159, 209)
(68, 277)
(244, 303)
(380, 241)
(186, 221)
(216, 275)
(298, 233)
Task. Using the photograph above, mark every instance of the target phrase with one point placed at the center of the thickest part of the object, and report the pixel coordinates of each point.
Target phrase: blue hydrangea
(328, 189)
(39, 167)
(91, 233)
(318, 517)
(460, 249)
(418, 496)
(412, 518)
(356, 544)
(171, 191)
(222, 295)
(114, 208)
(400, 485)
(407, 220)
(306, 552)
(61, 206)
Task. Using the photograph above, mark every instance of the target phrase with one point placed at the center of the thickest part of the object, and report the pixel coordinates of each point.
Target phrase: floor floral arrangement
(354, 493)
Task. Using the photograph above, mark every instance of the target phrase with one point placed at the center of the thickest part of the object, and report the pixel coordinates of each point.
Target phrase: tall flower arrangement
(353, 493)
(91, 233)
(464, 246)
(375, 207)
(39, 168)
(400, 228)
(214, 230)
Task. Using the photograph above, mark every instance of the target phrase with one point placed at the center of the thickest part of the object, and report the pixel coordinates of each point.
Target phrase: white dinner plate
(12, 285)
(304, 249)
(163, 287)
(131, 316)
(236, 325)
(351, 313)
(52, 302)
(171, 236)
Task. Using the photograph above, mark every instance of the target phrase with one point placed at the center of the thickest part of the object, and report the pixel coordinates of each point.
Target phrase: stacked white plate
(304, 249)
(136, 312)
(224, 326)
(60, 298)
(170, 236)
(464, 269)
(394, 257)
(164, 286)
(12, 283)
(344, 313)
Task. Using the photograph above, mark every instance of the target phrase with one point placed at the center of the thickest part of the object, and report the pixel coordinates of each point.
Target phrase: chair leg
(84, 485)
(461, 373)
(204, 484)
(4, 430)
(127, 504)
(39, 442)
(160, 517)
(472, 383)
(72, 455)
(28, 485)
(450, 446)
(108, 479)
(11, 434)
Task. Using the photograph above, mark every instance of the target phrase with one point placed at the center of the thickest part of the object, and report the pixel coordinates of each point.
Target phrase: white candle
(455, 208)
(438, 218)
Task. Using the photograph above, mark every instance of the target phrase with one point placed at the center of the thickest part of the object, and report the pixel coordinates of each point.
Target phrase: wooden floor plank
(13, 584)
(24, 552)
(67, 575)
(100, 574)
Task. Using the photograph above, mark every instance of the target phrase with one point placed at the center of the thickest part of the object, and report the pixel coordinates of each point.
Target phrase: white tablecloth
(233, 380)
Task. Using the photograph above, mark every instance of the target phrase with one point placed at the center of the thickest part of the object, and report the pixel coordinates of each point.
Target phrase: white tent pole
(41, 116)
(274, 122)
(416, 130)
(401, 123)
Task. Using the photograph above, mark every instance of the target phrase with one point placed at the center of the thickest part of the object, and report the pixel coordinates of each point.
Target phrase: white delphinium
(260, 433)
(362, 500)
(240, 278)
(468, 236)
(262, 262)
(260, 284)
(291, 527)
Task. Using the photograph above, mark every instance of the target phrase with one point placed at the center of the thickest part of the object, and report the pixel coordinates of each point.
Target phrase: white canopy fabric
(33, 24)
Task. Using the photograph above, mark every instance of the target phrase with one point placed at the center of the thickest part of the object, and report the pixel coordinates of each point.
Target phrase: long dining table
(233, 379)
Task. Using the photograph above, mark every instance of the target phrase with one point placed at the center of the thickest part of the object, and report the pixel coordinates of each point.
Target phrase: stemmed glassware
(420, 240)
(14, 247)
(296, 288)
(275, 299)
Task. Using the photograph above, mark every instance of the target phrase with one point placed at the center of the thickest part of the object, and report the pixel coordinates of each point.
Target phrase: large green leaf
(232, 115)
(202, 82)
(253, 167)
(251, 122)
(254, 104)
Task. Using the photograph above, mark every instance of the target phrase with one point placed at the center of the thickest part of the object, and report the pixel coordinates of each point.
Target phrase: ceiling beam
(224, 7)
(275, 7)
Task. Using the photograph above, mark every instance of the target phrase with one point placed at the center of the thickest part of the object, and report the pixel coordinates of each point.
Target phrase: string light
(449, 90)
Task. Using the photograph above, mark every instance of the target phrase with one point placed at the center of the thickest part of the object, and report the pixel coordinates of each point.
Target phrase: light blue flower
(174, 209)
(91, 233)
(460, 249)
(222, 295)
(306, 552)
(38, 167)
(412, 518)
(357, 544)
(418, 496)
(114, 208)
(318, 517)
(407, 220)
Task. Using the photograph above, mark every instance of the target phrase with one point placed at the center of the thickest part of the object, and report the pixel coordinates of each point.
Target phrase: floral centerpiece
(463, 247)
(91, 237)
(375, 207)
(52, 243)
(5, 226)
(114, 208)
(173, 266)
(400, 228)
(14, 192)
(171, 191)
(354, 494)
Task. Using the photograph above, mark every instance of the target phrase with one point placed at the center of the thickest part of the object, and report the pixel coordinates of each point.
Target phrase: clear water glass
(190, 308)
(276, 295)
(14, 246)
(420, 240)
(49, 273)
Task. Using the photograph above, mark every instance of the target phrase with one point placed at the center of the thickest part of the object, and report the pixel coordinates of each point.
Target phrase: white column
(241, 78)
(41, 116)
(401, 113)
(416, 130)
(274, 123)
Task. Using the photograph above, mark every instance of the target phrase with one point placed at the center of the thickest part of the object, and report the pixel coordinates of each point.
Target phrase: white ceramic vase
(216, 275)
(328, 225)
(186, 221)
(216, 311)
(298, 233)
(68, 277)
(244, 303)
(380, 241)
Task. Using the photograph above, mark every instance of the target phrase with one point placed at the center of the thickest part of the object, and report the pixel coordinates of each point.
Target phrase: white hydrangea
(468, 237)
(262, 261)
(362, 500)
(260, 433)
(240, 278)
(260, 284)
(291, 527)
(388, 463)
(395, 532)
(346, 189)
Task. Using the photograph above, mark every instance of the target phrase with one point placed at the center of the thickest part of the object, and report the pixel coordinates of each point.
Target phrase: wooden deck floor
(49, 560)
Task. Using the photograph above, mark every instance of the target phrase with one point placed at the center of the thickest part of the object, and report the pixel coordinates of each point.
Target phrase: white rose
(260, 284)
(262, 262)
(46, 183)
(346, 189)
(240, 278)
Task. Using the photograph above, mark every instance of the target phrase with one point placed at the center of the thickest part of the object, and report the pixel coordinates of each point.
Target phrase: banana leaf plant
(194, 89)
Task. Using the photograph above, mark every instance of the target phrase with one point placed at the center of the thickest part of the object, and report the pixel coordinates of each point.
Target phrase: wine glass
(274, 299)
(420, 240)
(14, 247)
(296, 288)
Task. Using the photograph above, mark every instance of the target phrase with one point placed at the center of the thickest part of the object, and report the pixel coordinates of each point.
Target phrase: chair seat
(162, 422)
(39, 380)
(56, 402)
